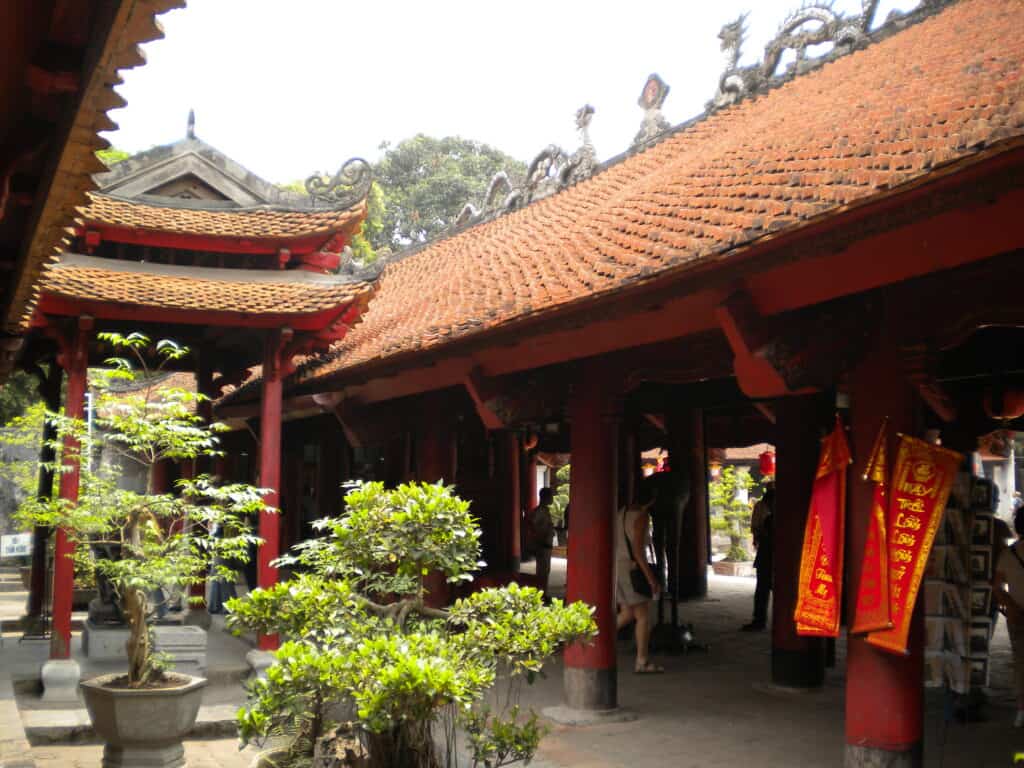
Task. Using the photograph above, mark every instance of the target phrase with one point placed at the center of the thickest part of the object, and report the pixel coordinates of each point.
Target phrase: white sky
(289, 88)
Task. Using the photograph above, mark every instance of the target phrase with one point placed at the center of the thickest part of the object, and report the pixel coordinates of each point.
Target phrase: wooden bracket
(481, 391)
(335, 403)
(744, 329)
(918, 365)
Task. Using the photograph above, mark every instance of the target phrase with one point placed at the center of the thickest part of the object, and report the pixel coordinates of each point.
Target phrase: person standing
(543, 531)
(1008, 593)
(632, 541)
(762, 528)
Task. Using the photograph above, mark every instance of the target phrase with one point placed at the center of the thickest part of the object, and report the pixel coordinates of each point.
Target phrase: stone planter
(731, 568)
(270, 758)
(143, 727)
(81, 596)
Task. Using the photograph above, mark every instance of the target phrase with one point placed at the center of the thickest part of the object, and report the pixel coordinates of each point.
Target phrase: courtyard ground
(709, 709)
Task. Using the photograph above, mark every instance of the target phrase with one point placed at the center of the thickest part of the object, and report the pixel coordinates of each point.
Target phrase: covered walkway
(714, 709)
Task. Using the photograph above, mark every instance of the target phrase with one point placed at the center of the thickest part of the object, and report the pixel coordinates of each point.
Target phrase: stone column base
(872, 757)
(570, 716)
(799, 669)
(258, 662)
(590, 689)
(198, 617)
(60, 680)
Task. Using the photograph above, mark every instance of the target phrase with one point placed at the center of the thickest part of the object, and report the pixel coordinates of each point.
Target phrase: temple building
(839, 236)
(180, 242)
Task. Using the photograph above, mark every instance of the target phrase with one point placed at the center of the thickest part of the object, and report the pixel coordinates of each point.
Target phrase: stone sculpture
(345, 188)
(550, 171)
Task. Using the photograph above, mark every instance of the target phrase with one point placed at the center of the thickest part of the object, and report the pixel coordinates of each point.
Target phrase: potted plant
(165, 540)
(369, 675)
(730, 516)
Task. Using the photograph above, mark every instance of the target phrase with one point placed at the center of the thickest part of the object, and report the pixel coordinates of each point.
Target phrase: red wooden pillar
(435, 461)
(204, 409)
(74, 359)
(797, 662)
(590, 674)
(509, 495)
(50, 390)
(270, 467)
(884, 692)
(531, 500)
(688, 443)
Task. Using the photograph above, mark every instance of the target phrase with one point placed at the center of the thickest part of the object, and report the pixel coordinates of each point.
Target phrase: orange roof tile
(934, 93)
(248, 292)
(250, 223)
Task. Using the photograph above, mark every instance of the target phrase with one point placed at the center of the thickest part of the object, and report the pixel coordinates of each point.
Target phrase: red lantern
(1004, 403)
(766, 463)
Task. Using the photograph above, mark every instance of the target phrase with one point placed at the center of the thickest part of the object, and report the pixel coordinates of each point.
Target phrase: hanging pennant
(873, 596)
(821, 564)
(922, 479)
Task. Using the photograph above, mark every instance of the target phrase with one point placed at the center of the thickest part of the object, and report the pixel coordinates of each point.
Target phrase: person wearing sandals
(632, 541)
(1008, 593)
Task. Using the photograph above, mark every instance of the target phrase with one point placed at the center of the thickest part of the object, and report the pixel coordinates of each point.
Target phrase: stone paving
(713, 709)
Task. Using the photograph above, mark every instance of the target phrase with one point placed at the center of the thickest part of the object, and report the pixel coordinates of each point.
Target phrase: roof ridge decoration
(550, 171)
(652, 97)
(348, 186)
(814, 23)
(846, 33)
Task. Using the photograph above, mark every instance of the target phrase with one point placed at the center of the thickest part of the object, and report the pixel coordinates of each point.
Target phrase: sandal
(648, 668)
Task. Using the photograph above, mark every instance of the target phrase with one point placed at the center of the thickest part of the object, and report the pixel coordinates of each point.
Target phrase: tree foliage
(560, 499)
(112, 155)
(426, 182)
(730, 509)
(17, 393)
(362, 646)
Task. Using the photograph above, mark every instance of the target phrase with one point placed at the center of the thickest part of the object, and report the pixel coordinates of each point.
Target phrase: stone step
(71, 725)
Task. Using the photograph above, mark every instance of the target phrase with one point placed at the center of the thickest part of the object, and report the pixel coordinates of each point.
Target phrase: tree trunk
(138, 638)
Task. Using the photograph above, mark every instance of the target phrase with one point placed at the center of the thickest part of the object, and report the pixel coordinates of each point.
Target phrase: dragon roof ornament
(551, 171)
(348, 186)
(815, 23)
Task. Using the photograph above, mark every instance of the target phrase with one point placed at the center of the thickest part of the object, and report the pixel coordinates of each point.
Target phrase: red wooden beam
(50, 304)
(218, 244)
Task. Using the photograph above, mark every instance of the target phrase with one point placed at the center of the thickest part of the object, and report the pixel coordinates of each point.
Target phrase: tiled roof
(117, 36)
(262, 223)
(214, 290)
(935, 93)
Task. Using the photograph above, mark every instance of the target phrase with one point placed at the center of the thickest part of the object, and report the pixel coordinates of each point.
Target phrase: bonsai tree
(165, 540)
(363, 647)
(730, 512)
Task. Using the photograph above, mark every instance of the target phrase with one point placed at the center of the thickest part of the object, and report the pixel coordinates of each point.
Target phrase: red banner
(922, 479)
(821, 564)
(873, 596)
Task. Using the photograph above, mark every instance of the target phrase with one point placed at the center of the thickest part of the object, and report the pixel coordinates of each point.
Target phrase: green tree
(17, 393)
(143, 427)
(560, 499)
(112, 155)
(426, 182)
(730, 514)
(363, 647)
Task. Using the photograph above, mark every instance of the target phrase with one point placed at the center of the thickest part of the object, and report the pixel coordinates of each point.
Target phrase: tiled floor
(713, 709)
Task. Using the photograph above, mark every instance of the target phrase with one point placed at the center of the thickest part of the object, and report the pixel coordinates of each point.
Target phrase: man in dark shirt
(762, 527)
(543, 533)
